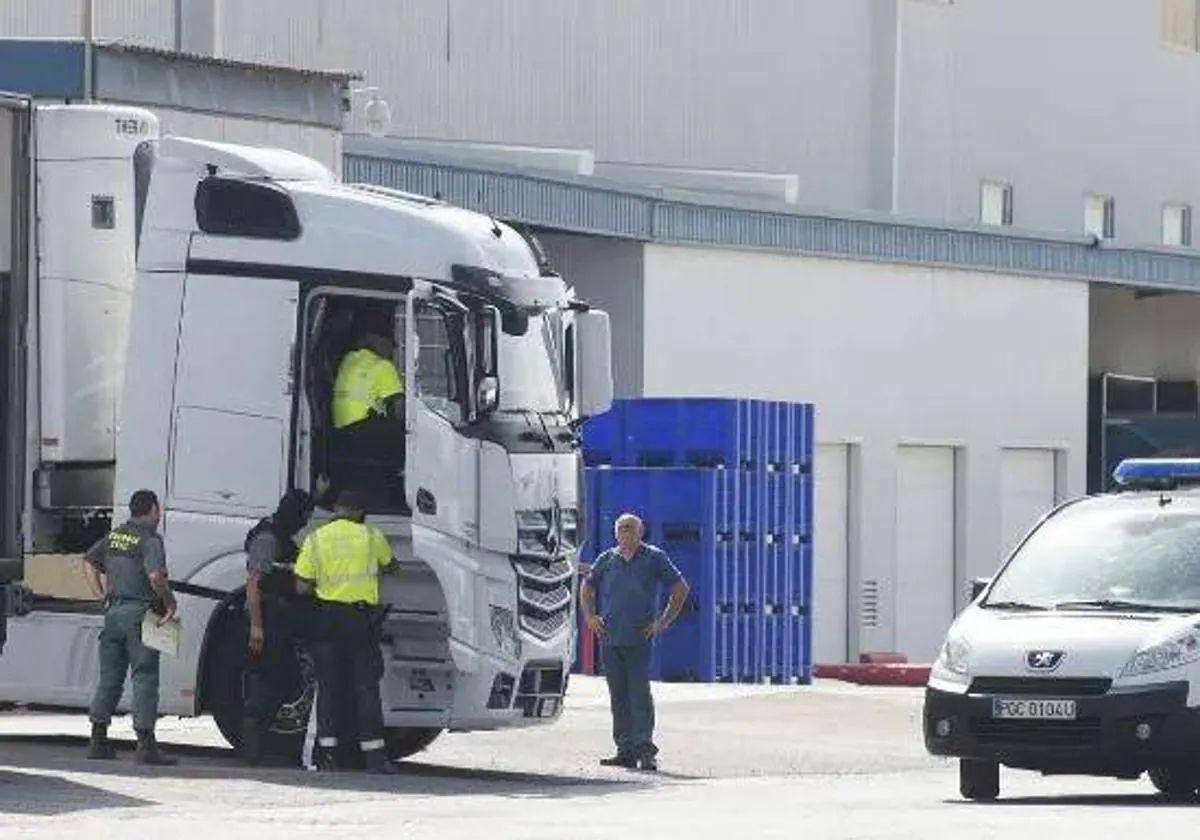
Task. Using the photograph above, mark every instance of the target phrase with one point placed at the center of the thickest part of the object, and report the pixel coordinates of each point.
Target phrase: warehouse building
(987, 314)
(950, 367)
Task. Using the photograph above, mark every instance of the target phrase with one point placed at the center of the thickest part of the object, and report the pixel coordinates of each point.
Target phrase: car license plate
(1013, 709)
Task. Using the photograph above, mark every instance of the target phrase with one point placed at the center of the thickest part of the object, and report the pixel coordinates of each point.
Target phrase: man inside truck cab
(368, 414)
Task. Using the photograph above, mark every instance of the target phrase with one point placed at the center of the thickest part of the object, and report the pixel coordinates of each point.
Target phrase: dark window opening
(104, 212)
(226, 207)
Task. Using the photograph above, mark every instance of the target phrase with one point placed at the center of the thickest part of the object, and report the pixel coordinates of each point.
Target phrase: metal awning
(54, 69)
(591, 205)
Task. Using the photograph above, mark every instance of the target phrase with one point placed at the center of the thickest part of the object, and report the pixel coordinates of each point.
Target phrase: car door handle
(426, 503)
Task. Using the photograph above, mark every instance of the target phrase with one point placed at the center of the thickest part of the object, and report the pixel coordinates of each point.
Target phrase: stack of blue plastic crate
(725, 487)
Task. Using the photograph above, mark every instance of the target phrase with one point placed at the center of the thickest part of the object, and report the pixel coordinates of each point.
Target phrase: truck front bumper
(1120, 733)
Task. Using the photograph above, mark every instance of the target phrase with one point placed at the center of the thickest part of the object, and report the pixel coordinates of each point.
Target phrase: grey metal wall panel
(1058, 98)
(777, 85)
(41, 18)
(148, 22)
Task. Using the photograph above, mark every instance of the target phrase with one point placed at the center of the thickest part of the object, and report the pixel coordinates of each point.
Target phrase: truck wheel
(223, 693)
(1177, 784)
(403, 741)
(978, 780)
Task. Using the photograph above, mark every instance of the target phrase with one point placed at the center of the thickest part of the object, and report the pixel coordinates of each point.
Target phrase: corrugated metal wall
(147, 22)
(778, 85)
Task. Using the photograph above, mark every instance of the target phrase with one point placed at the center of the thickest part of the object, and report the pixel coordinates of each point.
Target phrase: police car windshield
(530, 375)
(1108, 556)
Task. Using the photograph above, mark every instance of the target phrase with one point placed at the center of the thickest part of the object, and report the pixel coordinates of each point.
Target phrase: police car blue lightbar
(1157, 473)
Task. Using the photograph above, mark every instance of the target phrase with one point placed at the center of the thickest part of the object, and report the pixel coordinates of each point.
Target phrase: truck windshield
(1097, 557)
(530, 368)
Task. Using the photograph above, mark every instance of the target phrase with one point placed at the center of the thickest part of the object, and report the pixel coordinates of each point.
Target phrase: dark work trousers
(376, 437)
(275, 670)
(368, 456)
(348, 645)
(627, 670)
(121, 649)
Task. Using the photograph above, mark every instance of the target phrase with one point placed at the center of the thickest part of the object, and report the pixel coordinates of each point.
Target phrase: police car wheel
(1176, 783)
(406, 741)
(978, 780)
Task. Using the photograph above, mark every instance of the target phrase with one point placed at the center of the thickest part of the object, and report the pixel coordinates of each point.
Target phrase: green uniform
(127, 556)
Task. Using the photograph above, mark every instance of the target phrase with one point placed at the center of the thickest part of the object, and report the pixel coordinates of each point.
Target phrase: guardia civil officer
(628, 578)
(129, 569)
(341, 562)
(274, 618)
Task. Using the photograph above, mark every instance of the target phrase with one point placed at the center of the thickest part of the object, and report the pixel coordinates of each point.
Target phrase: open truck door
(441, 464)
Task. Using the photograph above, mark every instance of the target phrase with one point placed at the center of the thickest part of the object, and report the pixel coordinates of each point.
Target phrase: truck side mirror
(978, 585)
(487, 382)
(593, 384)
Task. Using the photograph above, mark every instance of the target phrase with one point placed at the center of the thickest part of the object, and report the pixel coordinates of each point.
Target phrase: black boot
(325, 758)
(252, 741)
(99, 746)
(148, 751)
(377, 764)
(620, 760)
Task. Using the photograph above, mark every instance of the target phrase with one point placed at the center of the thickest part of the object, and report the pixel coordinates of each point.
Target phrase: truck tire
(1177, 784)
(225, 664)
(978, 780)
(403, 742)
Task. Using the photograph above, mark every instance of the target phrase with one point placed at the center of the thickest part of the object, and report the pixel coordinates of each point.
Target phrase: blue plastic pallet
(603, 437)
(765, 573)
(692, 432)
(702, 432)
(690, 514)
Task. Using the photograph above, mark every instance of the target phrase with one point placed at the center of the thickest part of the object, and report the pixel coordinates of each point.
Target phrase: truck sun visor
(230, 207)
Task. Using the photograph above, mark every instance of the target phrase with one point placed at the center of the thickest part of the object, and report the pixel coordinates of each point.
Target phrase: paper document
(162, 637)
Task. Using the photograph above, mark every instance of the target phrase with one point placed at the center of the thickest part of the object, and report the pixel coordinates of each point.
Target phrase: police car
(1082, 655)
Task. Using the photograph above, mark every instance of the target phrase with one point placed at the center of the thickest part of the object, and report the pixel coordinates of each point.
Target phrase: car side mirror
(978, 585)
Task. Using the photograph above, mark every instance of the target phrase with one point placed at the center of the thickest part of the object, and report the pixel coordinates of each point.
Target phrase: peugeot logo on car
(1044, 660)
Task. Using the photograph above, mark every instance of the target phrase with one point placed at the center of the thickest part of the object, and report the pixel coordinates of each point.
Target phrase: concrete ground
(826, 761)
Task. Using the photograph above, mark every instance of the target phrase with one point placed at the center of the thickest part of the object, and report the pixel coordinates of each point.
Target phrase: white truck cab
(206, 374)
(1082, 655)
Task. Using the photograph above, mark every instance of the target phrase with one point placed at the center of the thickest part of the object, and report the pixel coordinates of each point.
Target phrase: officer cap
(351, 500)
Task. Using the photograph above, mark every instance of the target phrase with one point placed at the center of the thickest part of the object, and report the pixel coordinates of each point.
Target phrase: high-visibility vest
(364, 381)
(343, 559)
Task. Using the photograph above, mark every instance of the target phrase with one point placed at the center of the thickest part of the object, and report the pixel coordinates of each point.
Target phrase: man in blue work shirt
(628, 578)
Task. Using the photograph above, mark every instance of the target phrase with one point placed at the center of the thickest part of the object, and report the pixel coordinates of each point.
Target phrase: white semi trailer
(173, 315)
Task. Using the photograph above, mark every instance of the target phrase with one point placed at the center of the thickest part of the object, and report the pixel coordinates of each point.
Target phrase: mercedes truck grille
(544, 595)
(547, 532)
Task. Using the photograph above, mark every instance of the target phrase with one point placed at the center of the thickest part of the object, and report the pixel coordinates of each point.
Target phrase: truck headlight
(1181, 650)
(504, 630)
(954, 658)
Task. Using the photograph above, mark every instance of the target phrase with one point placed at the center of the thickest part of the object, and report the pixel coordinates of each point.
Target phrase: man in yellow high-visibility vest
(367, 414)
(367, 381)
(341, 562)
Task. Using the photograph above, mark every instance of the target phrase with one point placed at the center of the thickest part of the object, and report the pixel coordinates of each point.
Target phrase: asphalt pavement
(826, 761)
